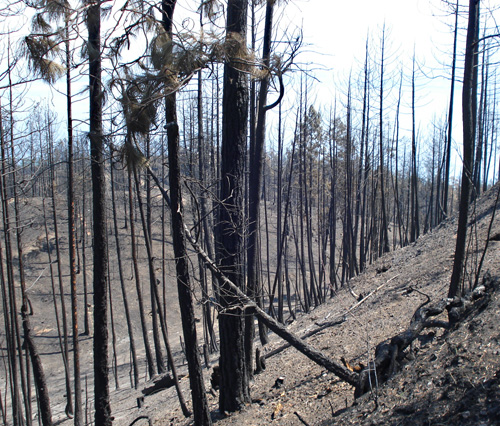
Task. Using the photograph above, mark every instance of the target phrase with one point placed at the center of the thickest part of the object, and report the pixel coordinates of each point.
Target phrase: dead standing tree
(469, 105)
(184, 287)
(100, 277)
(234, 390)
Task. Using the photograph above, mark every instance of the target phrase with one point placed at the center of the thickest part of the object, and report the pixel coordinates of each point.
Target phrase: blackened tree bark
(128, 318)
(384, 235)
(270, 322)
(83, 233)
(140, 302)
(206, 222)
(14, 346)
(78, 415)
(469, 94)
(184, 287)
(482, 132)
(156, 299)
(415, 224)
(450, 120)
(255, 183)
(69, 397)
(234, 386)
(100, 278)
(360, 185)
(332, 214)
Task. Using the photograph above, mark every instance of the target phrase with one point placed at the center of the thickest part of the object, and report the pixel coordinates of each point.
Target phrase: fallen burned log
(390, 353)
(340, 319)
(164, 382)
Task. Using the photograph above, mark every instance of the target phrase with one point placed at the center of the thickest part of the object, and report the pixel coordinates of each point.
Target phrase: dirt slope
(452, 377)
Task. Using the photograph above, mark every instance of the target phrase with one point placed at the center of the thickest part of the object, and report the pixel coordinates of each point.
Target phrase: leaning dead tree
(245, 301)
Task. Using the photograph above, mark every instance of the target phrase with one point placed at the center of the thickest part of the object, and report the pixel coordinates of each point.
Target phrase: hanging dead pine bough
(390, 353)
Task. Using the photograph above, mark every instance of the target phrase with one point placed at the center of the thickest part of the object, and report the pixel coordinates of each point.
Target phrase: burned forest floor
(448, 375)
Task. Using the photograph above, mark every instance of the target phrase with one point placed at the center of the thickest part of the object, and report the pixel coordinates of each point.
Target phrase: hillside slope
(449, 377)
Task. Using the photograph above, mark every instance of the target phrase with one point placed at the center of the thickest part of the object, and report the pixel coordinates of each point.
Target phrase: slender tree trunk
(384, 236)
(333, 204)
(450, 117)
(415, 223)
(113, 332)
(86, 319)
(360, 181)
(206, 225)
(17, 414)
(13, 332)
(481, 143)
(469, 93)
(69, 398)
(156, 299)
(65, 361)
(160, 365)
(284, 231)
(78, 420)
(184, 287)
(128, 318)
(255, 183)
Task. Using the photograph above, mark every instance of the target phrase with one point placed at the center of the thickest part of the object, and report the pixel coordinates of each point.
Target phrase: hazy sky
(335, 34)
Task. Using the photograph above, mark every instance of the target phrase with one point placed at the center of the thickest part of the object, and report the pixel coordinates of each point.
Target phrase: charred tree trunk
(469, 94)
(254, 289)
(234, 390)
(450, 119)
(384, 236)
(184, 287)
(140, 302)
(78, 420)
(128, 318)
(100, 278)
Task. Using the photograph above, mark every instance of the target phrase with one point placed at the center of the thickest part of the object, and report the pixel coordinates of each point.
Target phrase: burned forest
(203, 224)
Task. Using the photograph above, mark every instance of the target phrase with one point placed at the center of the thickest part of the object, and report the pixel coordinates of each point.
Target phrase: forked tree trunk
(140, 302)
(122, 284)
